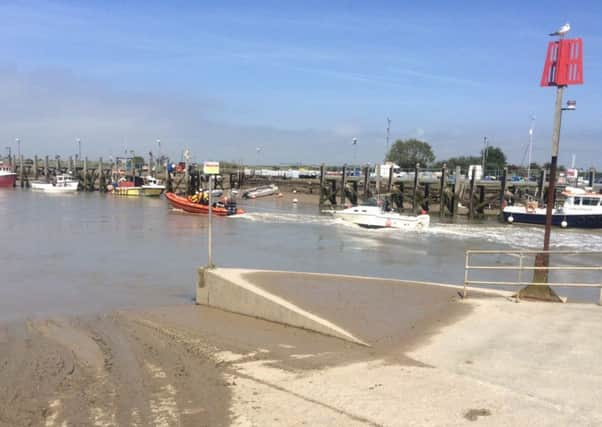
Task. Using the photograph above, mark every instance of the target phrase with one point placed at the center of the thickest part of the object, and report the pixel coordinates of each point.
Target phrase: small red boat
(192, 207)
(7, 176)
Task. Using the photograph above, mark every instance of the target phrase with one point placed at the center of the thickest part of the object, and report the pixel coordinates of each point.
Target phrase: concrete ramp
(229, 290)
(362, 310)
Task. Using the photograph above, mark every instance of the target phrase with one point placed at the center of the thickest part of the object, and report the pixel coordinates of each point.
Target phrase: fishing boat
(63, 183)
(137, 186)
(7, 177)
(261, 191)
(376, 217)
(221, 208)
(152, 188)
(581, 209)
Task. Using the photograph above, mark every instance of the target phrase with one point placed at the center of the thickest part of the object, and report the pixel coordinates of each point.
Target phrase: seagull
(562, 30)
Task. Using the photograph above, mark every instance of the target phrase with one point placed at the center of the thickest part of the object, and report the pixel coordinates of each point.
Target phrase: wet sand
(175, 365)
(388, 314)
(197, 366)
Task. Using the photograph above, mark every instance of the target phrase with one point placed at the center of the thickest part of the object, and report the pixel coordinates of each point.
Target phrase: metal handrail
(521, 267)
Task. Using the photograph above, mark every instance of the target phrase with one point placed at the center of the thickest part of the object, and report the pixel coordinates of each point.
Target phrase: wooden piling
(427, 194)
(21, 172)
(71, 167)
(102, 185)
(401, 195)
(377, 180)
(366, 176)
(168, 183)
(471, 195)
(457, 187)
(322, 191)
(85, 174)
(46, 167)
(481, 208)
(591, 177)
(343, 179)
(390, 182)
(541, 185)
(415, 190)
(187, 179)
(333, 192)
(503, 192)
(35, 166)
(442, 196)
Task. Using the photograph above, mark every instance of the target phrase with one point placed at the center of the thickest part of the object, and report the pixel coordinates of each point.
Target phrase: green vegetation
(409, 152)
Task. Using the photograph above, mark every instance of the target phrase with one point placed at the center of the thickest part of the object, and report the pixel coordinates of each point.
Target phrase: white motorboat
(581, 209)
(262, 191)
(152, 187)
(63, 183)
(376, 217)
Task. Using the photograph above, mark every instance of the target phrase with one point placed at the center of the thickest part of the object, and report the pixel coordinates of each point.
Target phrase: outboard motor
(231, 207)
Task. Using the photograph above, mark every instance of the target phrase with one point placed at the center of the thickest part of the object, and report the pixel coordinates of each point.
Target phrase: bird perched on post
(562, 30)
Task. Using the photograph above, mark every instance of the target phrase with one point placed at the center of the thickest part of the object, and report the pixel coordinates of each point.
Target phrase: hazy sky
(299, 79)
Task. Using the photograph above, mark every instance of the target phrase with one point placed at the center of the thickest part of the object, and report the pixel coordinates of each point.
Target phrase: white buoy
(510, 219)
(295, 200)
(564, 224)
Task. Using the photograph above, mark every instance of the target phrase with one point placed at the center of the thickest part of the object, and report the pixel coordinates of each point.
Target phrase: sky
(292, 82)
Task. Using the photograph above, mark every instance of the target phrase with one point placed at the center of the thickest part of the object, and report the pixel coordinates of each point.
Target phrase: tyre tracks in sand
(115, 369)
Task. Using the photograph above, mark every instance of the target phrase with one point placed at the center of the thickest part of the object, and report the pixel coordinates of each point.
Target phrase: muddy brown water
(86, 253)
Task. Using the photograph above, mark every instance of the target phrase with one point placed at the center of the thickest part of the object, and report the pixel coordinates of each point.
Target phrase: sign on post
(211, 168)
(564, 63)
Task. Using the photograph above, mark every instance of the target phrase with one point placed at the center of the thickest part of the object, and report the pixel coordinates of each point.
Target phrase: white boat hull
(374, 217)
(70, 187)
(263, 191)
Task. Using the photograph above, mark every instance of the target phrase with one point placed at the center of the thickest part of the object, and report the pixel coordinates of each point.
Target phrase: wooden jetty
(443, 192)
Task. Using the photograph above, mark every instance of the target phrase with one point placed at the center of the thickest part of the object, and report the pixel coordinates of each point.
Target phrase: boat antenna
(387, 138)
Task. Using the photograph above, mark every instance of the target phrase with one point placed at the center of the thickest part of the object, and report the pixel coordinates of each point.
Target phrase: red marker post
(563, 67)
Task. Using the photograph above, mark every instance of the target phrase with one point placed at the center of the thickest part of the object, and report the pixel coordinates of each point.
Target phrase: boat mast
(387, 139)
(531, 130)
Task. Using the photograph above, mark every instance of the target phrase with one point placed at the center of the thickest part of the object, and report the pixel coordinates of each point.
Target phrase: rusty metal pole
(544, 292)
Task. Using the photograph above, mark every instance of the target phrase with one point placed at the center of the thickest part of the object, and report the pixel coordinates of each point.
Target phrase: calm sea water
(90, 252)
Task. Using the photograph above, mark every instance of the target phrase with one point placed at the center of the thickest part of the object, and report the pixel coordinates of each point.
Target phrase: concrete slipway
(433, 359)
(361, 310)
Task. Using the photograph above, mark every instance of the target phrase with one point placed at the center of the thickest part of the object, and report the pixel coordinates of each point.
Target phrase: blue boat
(581, 209)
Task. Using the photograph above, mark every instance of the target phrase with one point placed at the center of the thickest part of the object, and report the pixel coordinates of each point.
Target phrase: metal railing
(522, 267)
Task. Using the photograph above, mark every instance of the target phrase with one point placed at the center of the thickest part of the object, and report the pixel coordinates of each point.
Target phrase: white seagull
(562, 30)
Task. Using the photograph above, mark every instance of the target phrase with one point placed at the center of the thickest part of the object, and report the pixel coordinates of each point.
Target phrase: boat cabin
(585, 200)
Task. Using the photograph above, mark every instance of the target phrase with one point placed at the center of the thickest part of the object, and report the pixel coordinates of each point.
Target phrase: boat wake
(527, 237)
(520, 237)
(275, 217)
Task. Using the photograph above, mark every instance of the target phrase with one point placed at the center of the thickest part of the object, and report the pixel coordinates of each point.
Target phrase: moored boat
(261, 191)
(376, 217)
(227, 208)
(151, 187)
(7, 177)
(63, 183)
(137, 186)
(581, 209)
